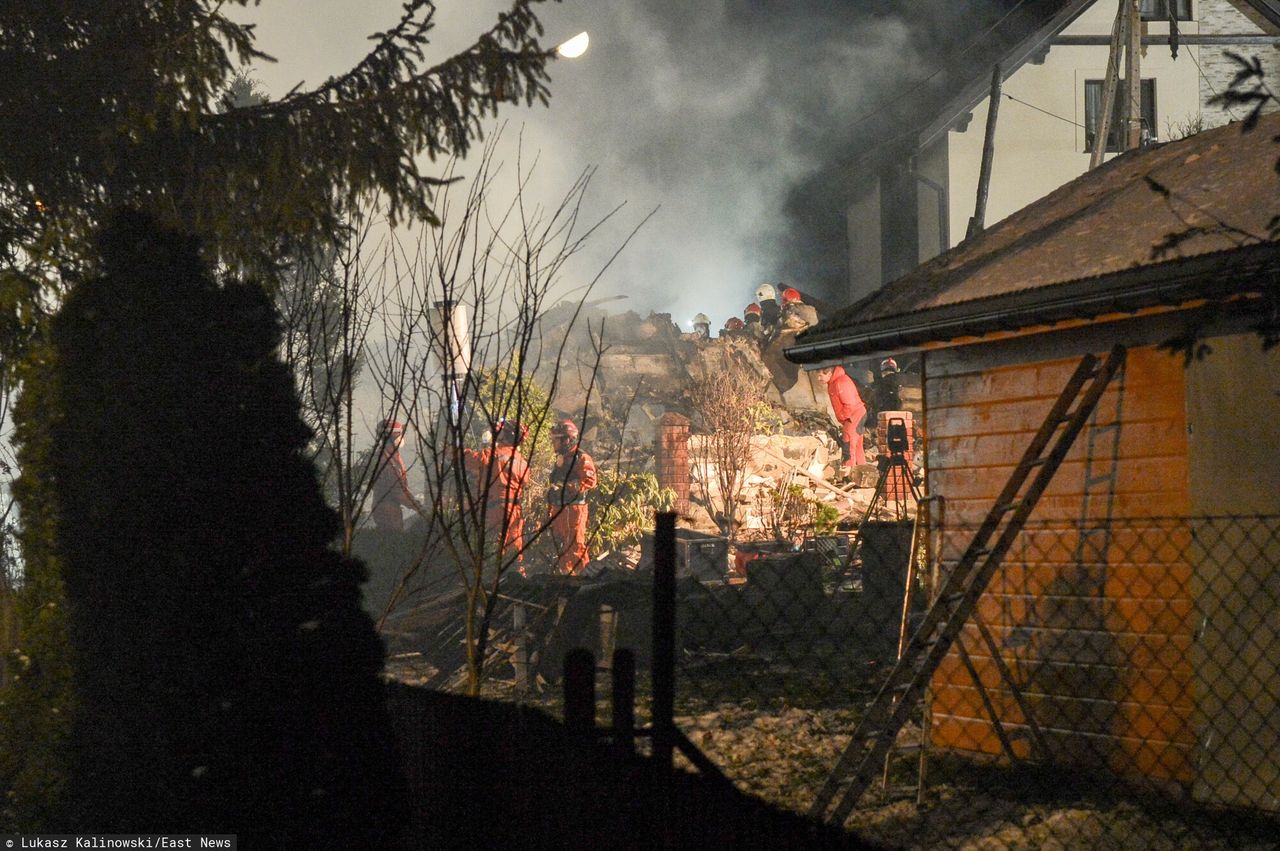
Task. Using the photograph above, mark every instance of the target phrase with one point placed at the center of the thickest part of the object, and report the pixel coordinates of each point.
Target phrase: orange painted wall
(1097, 632)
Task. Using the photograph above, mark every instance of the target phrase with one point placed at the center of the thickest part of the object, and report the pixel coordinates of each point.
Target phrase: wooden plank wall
(1097, 624)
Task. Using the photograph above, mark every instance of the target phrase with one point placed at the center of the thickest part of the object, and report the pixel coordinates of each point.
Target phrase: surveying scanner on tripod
(896, 479)
(894, 486)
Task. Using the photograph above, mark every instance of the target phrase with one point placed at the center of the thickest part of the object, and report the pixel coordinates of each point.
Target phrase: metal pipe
(451, 344)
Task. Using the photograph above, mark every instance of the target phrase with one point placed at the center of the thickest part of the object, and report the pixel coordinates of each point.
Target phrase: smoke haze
(736, 119)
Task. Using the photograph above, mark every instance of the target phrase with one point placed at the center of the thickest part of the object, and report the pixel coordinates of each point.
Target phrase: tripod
(896, 477)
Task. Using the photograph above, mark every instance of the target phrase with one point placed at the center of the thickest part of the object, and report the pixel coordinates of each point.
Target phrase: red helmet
(509, 433)
(753, 309)
(888, 365)
(564, 431)
(733, 323)
(790, 294)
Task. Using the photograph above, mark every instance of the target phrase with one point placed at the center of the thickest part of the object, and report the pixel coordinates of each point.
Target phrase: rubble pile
(627, 370)
(807, 465)
(639, 367)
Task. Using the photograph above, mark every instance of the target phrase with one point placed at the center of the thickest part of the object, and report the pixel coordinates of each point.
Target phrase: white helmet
(765, 293)
(701, 319)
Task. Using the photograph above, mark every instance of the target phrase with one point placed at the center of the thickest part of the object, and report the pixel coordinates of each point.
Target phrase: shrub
(622, 507)
(786, 511)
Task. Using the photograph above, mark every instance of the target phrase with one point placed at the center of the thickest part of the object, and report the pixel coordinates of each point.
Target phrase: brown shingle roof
(1139, 219)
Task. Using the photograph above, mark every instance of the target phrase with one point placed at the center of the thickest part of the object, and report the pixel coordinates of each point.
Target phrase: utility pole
(1133, 78)
(1102, 122)
(1126, 36)
(977, 223)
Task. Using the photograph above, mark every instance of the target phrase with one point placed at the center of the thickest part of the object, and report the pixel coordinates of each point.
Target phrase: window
(1093, 109)
(1158, 10)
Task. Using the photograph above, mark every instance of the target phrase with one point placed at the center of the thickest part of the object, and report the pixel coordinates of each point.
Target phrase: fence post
(623, 702)
(664, 638)
(607, 619)
(579, 690)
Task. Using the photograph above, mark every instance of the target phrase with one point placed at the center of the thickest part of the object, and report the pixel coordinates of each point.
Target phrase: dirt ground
(783, 754)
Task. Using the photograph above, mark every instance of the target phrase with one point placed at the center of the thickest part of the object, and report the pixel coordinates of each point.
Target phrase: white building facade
(920, 205)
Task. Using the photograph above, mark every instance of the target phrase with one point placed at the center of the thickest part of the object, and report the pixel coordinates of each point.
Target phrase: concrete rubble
(636, 368)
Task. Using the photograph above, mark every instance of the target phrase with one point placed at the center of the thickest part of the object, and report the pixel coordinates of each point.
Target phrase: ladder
(957, 599)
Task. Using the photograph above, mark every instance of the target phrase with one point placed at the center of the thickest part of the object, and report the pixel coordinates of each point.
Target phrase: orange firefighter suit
(390, 491)
(850, 412)
(573, 475)
(498, 475)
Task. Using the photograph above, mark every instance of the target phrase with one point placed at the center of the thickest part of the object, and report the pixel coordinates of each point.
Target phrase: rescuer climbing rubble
(849, 410)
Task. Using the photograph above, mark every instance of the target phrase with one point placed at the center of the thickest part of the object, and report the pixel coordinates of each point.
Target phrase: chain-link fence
(1117, 686)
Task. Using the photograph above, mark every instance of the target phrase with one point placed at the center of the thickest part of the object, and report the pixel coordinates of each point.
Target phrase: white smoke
(730, 117)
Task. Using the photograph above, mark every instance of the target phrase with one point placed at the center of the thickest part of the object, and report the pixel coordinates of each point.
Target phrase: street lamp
(574, 47)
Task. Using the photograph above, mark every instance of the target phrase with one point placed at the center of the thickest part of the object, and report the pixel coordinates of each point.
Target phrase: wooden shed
(1139, 610)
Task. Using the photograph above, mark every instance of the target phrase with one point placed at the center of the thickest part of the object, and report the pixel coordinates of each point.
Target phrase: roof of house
(1180, 220)
(1023, 35)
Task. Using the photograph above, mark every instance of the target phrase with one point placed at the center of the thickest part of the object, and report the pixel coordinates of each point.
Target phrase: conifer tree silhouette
(225, 676)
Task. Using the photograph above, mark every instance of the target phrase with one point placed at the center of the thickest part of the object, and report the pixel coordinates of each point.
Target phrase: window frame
(1150, 113)
(1162, 10)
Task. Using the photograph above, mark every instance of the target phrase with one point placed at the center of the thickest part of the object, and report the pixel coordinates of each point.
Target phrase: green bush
(622, 507)
(225, 677)
(787, 511)
(506, 393)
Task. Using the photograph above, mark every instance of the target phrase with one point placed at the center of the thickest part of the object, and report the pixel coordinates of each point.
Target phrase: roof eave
(1172, 283)
(1013, 59)
(1269, 9)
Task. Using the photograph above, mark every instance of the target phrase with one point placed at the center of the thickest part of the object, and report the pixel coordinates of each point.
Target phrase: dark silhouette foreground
(225, 676)
(484, 774)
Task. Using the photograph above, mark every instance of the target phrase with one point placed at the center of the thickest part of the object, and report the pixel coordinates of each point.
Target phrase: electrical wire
(1046, 112)
(1209, 83)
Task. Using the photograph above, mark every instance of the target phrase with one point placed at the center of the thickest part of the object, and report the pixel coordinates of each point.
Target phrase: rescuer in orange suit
(849, 409)
(391, 488)
(573, 475)
(498, 475)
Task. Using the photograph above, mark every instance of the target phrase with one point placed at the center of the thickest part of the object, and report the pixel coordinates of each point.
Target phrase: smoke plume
(736, 119)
